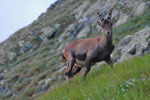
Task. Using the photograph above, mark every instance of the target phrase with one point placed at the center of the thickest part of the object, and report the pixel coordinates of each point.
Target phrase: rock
(61, 77)
(7, 94)
(1, 89)
(39, 85)
(58, 74)
(78, 28)
(125, 40)
(25, 46)
(11, 56)
(68, 31)
(122, 3)
(34, 32)
(1, 76)
(47, 80)
(21, 43)
(5, 71)
(98, 65)
(45, 87)
(57, 26)
(121, 20)
(84, 32)
(15, 77)
(132, 51)
(28, 45)
(61, 47)
(3, 62)
(141, 48)
(48, 32)
(53, 5)
(141, 8)
(139, 45)
(80, 10)
(34, 48)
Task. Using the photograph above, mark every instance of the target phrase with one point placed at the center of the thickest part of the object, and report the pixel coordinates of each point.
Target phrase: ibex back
(86, 52)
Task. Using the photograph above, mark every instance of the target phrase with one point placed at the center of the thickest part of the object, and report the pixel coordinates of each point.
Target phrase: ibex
(86, 52)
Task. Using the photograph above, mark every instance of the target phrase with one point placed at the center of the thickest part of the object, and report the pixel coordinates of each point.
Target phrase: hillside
(30, 59)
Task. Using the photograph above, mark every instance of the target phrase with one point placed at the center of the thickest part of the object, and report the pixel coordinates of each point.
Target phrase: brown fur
(86, 52)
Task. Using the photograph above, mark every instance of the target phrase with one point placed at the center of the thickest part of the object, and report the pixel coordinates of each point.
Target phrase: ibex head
(106, 23)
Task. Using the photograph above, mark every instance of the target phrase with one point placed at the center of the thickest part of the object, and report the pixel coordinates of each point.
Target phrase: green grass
(131, 26)
(126, 81)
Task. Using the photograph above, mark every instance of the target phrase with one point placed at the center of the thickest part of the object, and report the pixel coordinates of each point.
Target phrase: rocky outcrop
(139, 45)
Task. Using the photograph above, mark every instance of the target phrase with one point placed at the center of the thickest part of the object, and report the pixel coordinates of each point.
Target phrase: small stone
(45, 87)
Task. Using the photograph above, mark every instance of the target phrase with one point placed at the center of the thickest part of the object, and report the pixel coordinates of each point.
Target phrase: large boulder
(139, 45)
(125, 40)
(122, 20)
(140, 9)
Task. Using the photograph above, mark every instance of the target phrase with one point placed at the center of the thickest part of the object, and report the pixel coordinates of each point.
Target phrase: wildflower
(123, 89)
(133, 79)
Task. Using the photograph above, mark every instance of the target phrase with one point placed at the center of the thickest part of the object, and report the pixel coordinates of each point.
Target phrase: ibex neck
(108, 39)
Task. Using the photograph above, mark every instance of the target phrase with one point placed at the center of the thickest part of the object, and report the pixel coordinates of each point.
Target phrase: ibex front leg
(88, 64)
(109, 61)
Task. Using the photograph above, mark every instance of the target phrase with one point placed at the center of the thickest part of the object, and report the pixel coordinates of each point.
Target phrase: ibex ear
(99, 23)
(110, 14)
(100, 17)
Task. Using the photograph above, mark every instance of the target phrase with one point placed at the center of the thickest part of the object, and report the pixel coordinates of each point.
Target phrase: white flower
(123, 89)
(133, 79)
(127, 85)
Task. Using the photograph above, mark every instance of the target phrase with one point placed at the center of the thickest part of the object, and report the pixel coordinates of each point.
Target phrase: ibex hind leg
(70, 66)
(66, 73)
(76, 70)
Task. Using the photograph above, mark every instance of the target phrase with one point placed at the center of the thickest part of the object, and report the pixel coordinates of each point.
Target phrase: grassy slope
(126, 81)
